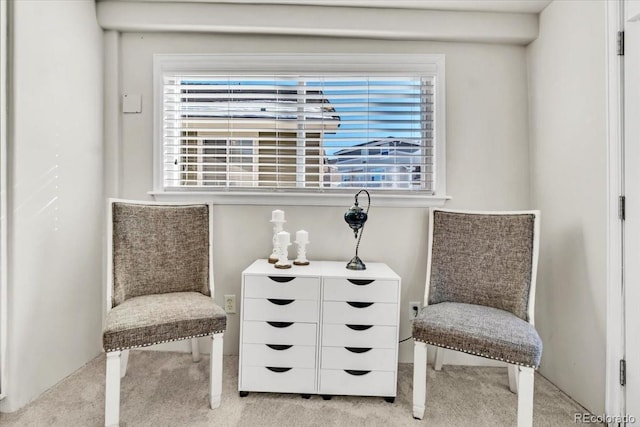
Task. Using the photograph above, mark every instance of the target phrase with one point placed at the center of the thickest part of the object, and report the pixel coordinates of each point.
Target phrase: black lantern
(356, 217)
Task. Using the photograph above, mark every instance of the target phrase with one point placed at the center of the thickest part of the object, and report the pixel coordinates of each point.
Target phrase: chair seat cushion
(479, 330)
(158, 318)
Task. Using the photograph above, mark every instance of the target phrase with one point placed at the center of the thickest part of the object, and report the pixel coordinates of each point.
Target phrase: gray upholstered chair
(479, 297)
(159, 288)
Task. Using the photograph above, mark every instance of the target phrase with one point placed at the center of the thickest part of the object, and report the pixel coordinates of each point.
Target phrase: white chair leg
(437, 364)
(124, 360)
(525, 397)
(215, 375)
(513, 378)
(112, 389)
(419, 379)
(195, 350)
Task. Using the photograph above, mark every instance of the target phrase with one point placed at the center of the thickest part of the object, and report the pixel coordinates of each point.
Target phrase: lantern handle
(367, 212)
(368, 199)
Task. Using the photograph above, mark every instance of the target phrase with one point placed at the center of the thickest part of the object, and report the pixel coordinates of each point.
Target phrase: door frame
(4, 136)
(614, 392)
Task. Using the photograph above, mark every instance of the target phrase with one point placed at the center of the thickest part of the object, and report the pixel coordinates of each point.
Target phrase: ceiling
(511, 6)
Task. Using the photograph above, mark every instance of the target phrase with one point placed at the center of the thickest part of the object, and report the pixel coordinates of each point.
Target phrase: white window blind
(303, 131)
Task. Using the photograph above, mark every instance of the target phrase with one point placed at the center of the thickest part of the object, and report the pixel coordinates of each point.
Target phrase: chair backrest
(158, 248)
(483, 258)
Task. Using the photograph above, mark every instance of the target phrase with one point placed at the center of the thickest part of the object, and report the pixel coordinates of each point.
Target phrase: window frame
(383, 64)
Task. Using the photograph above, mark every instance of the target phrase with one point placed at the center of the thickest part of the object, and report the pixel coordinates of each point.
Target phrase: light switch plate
(131, 103)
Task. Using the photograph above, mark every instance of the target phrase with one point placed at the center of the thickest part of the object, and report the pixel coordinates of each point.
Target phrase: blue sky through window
(369, 108)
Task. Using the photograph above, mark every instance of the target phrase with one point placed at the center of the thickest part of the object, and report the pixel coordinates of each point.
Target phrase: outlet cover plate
(230, 303)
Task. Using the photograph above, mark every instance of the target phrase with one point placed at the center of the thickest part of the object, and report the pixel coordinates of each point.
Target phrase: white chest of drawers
(319, 329)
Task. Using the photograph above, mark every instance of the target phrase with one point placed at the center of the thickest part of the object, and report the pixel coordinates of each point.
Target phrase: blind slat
(298, 131)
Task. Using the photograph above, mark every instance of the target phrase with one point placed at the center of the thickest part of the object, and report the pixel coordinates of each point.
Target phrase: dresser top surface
(375, 270)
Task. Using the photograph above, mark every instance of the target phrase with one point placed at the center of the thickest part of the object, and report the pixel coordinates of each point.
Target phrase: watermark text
(587, 418)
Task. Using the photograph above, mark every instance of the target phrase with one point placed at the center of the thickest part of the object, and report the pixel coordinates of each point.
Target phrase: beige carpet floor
(168, 389)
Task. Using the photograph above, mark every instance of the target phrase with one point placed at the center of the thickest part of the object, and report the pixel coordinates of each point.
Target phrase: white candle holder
(284, 242)
(277, 219)
(302, 240)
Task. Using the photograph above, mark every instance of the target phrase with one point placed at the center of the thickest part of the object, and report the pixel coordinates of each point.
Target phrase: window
(212, 162)
(304, 123)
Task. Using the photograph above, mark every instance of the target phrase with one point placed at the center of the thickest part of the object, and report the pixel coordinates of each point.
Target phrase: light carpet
(168, 389)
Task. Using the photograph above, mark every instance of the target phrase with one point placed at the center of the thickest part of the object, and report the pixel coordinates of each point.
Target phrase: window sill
(298, 199)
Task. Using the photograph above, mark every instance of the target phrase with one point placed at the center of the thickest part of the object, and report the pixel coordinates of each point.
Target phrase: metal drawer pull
(361, 282)
(276, 369)
(279, 346)
(358, 349)
(280, 301)
(281, 279)
(356, 373)
(280, 324)
(359, 327)
(357, 304)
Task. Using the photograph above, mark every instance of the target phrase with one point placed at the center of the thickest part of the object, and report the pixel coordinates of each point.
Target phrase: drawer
(285, 310)
(281, 287)
(377, 313)
(345, 336)
(295, 356)
(294, 380)
(337, 289)
(374, 359)
(279, 333)
(362, 383)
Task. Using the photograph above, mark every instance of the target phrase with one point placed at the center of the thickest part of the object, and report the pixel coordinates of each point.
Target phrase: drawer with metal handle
(272, 332)
(354, 335)
(358, 381)
(295, 356)
(359, 312)
(299, 288)
(280, 309)
(338, 289)
(282, 379)
(359, 358)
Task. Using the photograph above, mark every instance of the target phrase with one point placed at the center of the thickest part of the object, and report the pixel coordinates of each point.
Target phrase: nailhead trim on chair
(476, 354)
(165, 341)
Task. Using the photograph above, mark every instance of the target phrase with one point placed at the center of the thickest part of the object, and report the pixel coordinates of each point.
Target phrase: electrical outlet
(230, 303)
(414, 309)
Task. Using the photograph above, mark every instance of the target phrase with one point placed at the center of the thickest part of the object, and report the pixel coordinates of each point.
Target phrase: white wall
(56, 201)
(55, 195)
(566, 67)
(487, 150)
